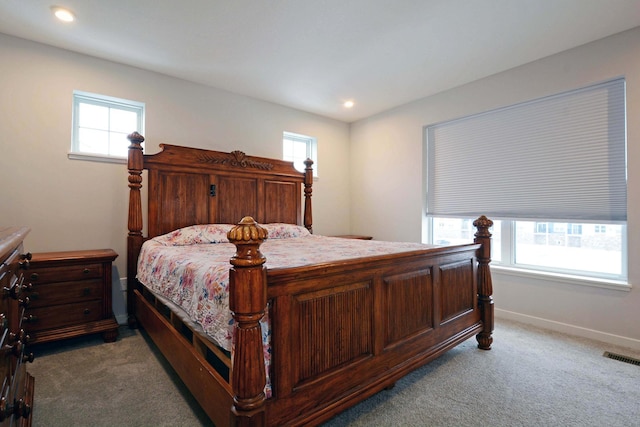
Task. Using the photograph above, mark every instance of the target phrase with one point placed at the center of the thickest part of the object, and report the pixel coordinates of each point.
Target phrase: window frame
(81, 97)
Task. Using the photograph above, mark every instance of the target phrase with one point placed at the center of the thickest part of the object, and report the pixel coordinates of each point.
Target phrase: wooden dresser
(16, 400)
(71, 295)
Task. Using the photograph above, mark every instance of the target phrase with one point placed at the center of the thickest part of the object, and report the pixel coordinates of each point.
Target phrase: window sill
(615, 285)
(97, 158)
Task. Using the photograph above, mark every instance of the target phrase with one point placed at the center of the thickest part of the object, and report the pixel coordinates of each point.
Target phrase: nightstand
(70, 295)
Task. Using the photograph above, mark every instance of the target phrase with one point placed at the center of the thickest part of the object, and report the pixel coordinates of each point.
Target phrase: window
(101, 125)
(551, 173)
(298, 148)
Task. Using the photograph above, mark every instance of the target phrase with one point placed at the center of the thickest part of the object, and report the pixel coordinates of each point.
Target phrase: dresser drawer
(64, 292)
(62, 315)
(64, 273)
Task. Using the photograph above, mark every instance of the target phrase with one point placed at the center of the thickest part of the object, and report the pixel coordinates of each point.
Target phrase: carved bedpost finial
(248, 302)
(308, 183)
(485, 287)
(248, 235)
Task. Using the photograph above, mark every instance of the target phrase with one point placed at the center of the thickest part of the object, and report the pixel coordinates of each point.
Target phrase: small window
(297, 148)
(101, 125)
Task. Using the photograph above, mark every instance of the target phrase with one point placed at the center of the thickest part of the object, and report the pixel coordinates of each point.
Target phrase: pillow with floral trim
(285, 231)
(196, 235)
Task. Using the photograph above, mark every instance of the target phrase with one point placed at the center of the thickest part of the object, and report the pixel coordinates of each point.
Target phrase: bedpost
(308, 183)
(485, 287)
(248, 301)
(135, 164)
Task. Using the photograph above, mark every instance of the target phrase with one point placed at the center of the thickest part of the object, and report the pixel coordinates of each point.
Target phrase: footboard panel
(343, 333)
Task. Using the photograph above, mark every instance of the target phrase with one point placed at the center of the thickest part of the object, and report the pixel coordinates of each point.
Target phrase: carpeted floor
(531, 377)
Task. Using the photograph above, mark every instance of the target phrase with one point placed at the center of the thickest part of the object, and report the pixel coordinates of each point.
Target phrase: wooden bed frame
(341, 332)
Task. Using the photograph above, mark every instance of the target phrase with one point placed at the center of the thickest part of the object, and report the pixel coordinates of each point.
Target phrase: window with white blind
(550, 172)
(297, 148)
(101, 124)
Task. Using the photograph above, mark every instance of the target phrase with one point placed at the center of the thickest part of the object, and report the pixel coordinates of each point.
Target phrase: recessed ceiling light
(65, 15)
(348, 104)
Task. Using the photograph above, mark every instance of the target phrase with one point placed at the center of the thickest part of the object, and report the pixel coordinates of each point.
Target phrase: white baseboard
(569, 329)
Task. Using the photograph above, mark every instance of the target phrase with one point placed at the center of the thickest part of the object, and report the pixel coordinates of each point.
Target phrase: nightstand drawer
(65, 273)
(65, 292)
(62, 315)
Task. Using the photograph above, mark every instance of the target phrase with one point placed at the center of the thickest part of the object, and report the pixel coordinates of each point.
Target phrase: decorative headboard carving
(235, 158)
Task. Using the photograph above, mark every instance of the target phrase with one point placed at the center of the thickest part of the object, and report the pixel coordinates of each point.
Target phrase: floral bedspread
(190, 266)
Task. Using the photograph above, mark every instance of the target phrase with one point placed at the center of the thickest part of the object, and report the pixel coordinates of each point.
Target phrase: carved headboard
(189, 186)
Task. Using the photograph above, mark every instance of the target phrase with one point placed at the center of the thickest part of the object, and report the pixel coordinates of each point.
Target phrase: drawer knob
(86, 271)
(34, 276)
(28, 358)
(30, 318)
(87, 311)
(18, 409)
(13, 292)
(25, 258)
(16, 349)
(21, 409)
(19, 337)
(5, 409)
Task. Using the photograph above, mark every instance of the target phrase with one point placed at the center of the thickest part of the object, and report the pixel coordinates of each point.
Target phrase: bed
(307, 339)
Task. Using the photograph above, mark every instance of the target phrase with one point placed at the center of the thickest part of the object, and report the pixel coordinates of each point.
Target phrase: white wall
(387, 186)
(72, 204)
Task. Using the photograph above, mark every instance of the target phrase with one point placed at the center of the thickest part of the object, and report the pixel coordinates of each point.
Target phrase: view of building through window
(572, 248)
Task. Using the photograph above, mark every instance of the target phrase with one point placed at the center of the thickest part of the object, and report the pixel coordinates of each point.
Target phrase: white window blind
(561, 157)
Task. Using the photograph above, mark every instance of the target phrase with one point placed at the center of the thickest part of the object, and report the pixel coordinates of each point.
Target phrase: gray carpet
(532, 377)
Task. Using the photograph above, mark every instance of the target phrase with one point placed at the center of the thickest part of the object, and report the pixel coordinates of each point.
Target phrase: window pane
(93, 116)
(300, 150)
(123, 121)
(452, 231)
(496, 241)
(563, 246)
(118, 144)
(93, 141)
(456, 231)
(287, 149)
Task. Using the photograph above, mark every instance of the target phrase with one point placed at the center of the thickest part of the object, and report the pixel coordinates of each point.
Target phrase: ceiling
(313, 55)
